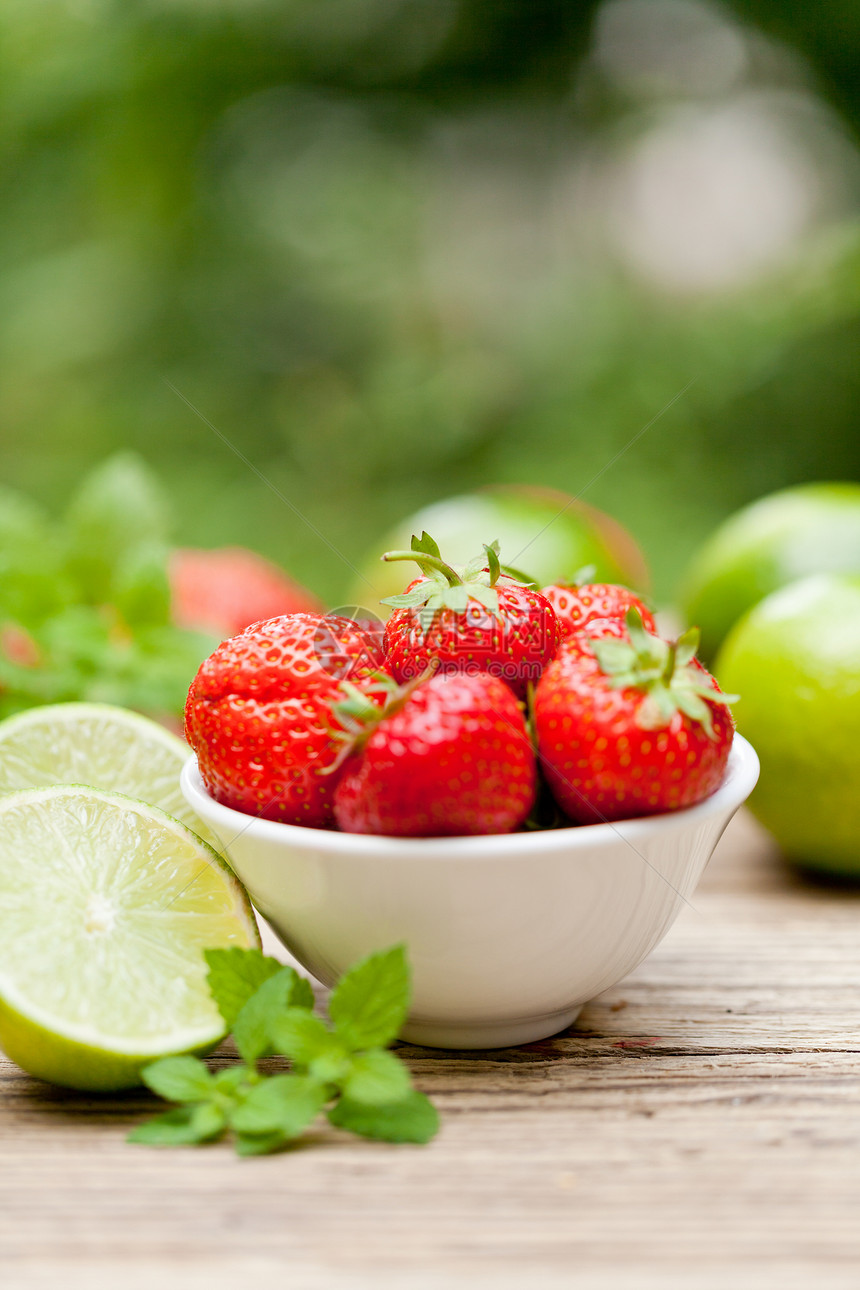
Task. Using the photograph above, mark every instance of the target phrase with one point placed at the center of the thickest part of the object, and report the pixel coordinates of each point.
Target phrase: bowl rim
(742, 772)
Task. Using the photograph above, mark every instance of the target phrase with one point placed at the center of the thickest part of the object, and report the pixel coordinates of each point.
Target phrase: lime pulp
(106, 906)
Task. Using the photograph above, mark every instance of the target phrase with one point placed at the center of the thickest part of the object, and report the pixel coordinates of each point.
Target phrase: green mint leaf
(376, 1078)
(300, 1035)
(183, 1126)
(284, 1104)
(325, 1057)
(33, 586)
(33, 579)
(413, 1119)
(79, 637)
(140, 588)
(157, 669)
(302, 994)
(333, 1065)
(229, 1080)
(259, 1144)
(234, 975)
(273, 997)
(118, 507)
(179, 1079)
(368, 1006)
(309, 1043)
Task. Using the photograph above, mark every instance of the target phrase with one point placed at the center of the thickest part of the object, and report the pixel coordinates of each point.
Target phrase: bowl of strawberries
(523, 786)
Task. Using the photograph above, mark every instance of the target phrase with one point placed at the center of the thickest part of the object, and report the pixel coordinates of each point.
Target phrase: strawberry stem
(427, 563)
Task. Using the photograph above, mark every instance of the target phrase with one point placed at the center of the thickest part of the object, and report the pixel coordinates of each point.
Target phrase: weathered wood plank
(701, 1124)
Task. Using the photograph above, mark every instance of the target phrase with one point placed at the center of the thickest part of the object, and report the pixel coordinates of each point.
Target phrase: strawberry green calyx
(426, 554)
(358, 715)
(664, 671)
(446, 587)
(517, 575)
(357, 712)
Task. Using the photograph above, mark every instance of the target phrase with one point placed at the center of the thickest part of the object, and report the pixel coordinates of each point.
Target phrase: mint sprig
(368, 1006)
(235, 975)
(343, 1067)
(85, 604)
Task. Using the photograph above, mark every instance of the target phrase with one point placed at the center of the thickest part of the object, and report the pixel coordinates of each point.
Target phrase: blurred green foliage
(85, 598)
(323, 261)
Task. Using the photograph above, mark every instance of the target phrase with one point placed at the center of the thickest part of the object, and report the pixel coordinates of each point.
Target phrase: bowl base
(493, 1034)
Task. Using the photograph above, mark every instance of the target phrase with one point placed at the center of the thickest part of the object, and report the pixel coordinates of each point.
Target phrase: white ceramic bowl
(508, 935)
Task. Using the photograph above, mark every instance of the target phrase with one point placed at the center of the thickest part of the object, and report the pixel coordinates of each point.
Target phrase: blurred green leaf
(140, 588)
(339, 231)
(119, 512)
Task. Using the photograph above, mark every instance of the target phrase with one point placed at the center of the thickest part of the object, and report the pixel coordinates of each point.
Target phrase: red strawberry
(259, 714)
(480, 620)
(578, 607)
(450, 756)
(226, 590)
(632, 726)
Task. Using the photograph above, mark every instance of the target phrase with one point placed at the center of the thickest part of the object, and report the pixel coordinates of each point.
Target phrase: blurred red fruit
(225, 590)
(18, 646)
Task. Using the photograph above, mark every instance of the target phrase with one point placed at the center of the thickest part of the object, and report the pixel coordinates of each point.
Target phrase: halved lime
(106, 906)
(100, 745)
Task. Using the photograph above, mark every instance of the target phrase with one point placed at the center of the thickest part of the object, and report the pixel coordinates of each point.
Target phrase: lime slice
(94, 743)
(106, 906)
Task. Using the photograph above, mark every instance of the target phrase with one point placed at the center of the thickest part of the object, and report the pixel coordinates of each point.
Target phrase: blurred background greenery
(394, 249)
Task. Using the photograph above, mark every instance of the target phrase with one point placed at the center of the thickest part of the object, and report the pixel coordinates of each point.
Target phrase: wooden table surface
(699, 1127)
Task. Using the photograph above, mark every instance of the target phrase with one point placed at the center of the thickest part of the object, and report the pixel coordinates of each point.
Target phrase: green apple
(794, 659)
(546, 534)
(813, 528)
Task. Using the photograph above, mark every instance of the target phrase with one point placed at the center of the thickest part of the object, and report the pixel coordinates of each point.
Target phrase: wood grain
(700, 1125)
